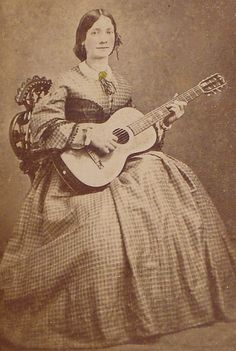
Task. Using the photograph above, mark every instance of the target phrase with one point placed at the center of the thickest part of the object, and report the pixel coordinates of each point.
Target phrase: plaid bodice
(87, 102)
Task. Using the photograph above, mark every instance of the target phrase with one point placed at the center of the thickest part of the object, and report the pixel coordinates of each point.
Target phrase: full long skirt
(145, 256)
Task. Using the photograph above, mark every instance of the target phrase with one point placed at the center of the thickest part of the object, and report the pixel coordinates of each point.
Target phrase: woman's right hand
(104, 142)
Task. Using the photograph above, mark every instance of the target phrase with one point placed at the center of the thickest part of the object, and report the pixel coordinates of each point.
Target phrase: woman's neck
(98, 65)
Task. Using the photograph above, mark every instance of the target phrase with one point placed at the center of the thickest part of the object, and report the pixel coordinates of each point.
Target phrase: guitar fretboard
(161, 112)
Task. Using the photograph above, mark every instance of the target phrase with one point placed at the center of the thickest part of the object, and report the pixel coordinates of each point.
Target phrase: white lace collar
(92, 73)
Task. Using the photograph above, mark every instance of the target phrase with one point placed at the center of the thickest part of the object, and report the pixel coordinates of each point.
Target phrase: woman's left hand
(177, 109)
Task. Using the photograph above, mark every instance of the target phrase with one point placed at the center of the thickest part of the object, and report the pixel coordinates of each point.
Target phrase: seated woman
(142, 256)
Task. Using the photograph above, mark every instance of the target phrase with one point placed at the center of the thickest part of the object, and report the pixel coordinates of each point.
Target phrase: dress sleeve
(160, 135)
(49, 127)
(159, 131)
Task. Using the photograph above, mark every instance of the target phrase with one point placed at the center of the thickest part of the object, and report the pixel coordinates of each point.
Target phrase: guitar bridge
(95, 159)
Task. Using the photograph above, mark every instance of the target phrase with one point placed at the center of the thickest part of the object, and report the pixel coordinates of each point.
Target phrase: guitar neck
(161, 112)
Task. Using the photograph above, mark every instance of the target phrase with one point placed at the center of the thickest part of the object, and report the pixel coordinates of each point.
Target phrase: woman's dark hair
(85, 24)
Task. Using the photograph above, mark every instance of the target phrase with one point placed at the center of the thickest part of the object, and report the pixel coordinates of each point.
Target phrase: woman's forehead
(102, 22)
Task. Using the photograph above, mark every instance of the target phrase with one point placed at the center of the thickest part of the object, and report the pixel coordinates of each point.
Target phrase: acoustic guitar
(135, 133)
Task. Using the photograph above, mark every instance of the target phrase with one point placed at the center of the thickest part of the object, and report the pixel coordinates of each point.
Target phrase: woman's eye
(94, 33)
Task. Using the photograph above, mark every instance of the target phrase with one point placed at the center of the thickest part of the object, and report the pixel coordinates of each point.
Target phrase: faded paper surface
(168, 46)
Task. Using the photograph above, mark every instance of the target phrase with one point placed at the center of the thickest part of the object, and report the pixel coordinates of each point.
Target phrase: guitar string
(184, 95)
(144, 123)
(151, 117)
(122, 134)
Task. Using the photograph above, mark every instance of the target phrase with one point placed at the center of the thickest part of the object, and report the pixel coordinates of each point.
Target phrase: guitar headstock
(212, 84)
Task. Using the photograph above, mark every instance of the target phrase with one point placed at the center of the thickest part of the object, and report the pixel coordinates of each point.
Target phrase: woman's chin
(102, 53)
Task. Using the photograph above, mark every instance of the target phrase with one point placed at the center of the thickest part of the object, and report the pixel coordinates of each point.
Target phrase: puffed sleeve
(49, 127)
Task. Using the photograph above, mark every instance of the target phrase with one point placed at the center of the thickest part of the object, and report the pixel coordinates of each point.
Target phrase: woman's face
(100, 38)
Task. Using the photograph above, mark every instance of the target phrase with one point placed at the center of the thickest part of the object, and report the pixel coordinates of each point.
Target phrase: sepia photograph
(118, 175)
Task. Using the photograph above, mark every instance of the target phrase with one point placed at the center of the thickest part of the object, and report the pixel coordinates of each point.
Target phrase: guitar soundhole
(122, 135)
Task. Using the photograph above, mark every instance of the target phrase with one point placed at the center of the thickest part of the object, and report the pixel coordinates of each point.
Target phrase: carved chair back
(19, 131)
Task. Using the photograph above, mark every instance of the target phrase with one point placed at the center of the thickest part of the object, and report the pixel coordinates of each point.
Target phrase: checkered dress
(145, 256)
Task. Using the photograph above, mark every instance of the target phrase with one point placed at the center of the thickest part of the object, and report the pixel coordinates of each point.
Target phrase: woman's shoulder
(120, 76)
(68, 77)
(122, 80)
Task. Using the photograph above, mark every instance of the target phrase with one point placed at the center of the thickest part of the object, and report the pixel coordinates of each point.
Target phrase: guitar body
(96, 170)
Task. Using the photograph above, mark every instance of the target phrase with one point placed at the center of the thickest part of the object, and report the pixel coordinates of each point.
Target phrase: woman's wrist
(165, 125)
(80, 136)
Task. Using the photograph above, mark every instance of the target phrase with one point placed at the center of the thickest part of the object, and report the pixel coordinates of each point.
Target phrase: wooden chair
(19, 132)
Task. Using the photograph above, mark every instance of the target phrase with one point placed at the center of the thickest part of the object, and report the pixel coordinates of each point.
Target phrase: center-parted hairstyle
(85, 24)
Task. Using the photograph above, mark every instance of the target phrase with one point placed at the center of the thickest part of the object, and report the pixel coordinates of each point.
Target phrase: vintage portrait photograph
(118, 173)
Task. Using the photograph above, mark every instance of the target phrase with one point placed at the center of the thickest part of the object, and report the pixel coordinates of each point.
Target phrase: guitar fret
(192, 93)
(198, 90)
(195, 92)
(189, 94)
(184, 98)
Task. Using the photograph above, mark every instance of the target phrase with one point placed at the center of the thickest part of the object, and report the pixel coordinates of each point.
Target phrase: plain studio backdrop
(168, 47)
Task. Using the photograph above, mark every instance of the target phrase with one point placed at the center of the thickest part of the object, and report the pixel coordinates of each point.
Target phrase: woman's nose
(103, 40)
